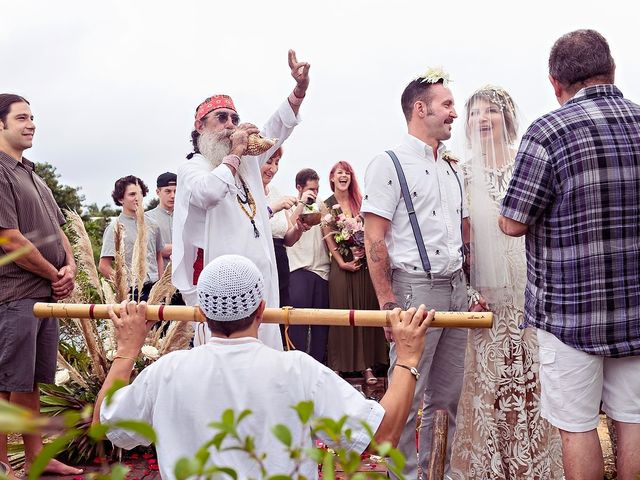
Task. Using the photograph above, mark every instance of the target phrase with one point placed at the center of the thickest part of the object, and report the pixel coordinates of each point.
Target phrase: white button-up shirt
(436, 197)
(184, 391)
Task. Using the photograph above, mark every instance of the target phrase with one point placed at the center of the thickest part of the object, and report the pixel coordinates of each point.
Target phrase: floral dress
(499, 431)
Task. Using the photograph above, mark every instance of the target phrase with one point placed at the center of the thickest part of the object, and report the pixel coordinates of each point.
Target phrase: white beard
(214, 146)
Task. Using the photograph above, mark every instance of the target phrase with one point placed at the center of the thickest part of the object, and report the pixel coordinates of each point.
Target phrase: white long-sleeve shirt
(207, 215)
(184, 391)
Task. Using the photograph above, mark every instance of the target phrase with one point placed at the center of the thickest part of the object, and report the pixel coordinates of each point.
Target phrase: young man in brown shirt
(45, 270)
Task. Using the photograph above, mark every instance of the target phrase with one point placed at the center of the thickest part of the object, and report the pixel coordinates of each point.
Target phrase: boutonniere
(434, 75)
(448, 156)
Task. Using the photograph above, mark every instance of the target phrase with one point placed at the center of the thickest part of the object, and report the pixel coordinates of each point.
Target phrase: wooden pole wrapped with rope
(285, 315)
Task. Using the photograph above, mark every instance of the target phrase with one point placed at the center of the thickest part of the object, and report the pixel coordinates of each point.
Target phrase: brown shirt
(27, 205)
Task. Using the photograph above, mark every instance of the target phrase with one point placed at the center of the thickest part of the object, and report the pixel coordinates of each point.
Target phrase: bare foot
(56, 467)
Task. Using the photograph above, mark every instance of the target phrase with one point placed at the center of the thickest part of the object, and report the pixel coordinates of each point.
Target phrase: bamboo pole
(287, 315)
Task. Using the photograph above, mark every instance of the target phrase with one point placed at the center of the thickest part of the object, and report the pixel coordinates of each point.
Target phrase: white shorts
(574, 383)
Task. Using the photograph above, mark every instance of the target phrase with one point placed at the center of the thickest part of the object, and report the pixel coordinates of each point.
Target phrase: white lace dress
(499, 431)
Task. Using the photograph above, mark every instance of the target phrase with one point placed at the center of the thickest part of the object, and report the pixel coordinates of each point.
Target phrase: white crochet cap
(230, 288)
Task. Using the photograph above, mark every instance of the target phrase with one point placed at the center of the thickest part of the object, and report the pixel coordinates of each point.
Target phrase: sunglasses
(224, 116)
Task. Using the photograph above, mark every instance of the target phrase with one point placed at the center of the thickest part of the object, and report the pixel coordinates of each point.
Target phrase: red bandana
(213, 103)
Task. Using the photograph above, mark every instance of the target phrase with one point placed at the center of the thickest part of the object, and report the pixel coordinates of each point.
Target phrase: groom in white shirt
(405, 276)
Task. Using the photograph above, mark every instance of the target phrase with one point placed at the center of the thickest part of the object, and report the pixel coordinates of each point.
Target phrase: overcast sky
(114, 84)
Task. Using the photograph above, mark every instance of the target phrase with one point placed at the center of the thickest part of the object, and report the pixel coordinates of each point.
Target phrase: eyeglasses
(224, 116)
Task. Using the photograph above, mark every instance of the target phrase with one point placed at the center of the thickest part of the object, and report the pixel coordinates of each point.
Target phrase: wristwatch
(414, 371)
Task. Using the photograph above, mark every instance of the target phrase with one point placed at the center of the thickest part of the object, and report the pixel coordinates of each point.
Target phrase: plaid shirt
(577, 185)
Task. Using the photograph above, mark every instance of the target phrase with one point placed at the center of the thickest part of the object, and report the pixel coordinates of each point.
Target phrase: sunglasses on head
(224, 116)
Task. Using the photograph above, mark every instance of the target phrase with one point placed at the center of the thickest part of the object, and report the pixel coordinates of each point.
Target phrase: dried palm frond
(109, 298)
(91, 337)
(121, 274)
(94, 347)
(139, 261)
(83, 251)
(107, 292)
(73, 372)
(163, 289)
(178, 337)
(161, 292)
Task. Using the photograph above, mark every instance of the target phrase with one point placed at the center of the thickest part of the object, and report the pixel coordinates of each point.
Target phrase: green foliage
(200, 465)
(16, 419)
(65, 196)
(153, 203)
(95, 219)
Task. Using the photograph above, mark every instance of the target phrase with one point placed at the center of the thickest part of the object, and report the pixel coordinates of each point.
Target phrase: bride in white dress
(499, 432)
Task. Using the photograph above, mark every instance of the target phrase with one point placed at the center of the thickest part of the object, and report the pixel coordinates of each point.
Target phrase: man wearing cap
(184, 391)
(220, 203)
(162, 215)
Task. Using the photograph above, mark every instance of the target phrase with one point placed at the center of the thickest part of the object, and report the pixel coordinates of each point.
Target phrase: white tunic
(184, 391)
(436, 199)
(207, 215)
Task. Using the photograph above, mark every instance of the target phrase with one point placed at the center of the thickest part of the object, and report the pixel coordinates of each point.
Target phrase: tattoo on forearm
(378, 251)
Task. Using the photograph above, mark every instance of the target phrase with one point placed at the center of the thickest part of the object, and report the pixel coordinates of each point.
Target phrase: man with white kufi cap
(184, 391)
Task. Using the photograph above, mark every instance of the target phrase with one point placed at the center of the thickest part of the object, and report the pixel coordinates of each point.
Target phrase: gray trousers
(441, 366)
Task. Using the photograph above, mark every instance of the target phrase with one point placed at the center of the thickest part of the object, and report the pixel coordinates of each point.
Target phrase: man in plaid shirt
(575, 193)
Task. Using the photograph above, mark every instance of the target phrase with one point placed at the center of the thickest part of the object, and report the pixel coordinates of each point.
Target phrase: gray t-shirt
(154, 243)
(164, 220)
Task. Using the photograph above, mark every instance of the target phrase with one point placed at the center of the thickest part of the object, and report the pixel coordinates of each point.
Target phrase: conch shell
(257, 144)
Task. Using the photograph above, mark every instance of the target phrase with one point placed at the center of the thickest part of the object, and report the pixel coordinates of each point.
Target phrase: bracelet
(294, 100)
(414, 371)
(232, 160)
(270, 211)
(126, 358)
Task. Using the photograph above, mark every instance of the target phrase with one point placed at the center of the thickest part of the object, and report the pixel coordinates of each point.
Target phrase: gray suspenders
(424, 257)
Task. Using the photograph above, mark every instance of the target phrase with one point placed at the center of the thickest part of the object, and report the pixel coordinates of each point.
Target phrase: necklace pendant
(256, 233)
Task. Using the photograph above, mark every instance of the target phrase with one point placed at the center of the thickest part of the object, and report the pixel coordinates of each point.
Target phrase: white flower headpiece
(498, 96)
(434, 75)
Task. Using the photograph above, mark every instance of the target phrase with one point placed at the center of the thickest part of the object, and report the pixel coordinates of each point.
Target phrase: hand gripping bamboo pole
(287, 315)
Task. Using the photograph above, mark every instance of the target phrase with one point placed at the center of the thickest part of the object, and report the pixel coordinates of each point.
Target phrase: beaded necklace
(248, 200)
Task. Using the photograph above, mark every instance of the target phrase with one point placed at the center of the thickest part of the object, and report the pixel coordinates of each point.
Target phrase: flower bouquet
(348, 233)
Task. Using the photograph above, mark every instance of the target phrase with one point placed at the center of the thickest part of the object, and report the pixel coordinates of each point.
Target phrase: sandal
(369, 377)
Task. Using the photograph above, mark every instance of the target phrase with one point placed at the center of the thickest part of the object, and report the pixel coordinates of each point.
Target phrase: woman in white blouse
(286, 227)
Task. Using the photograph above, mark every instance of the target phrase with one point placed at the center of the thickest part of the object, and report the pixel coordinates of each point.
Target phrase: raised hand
(300, 73)
(306, 195)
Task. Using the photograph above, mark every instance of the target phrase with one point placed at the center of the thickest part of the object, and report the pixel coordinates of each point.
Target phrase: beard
(214, 146)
